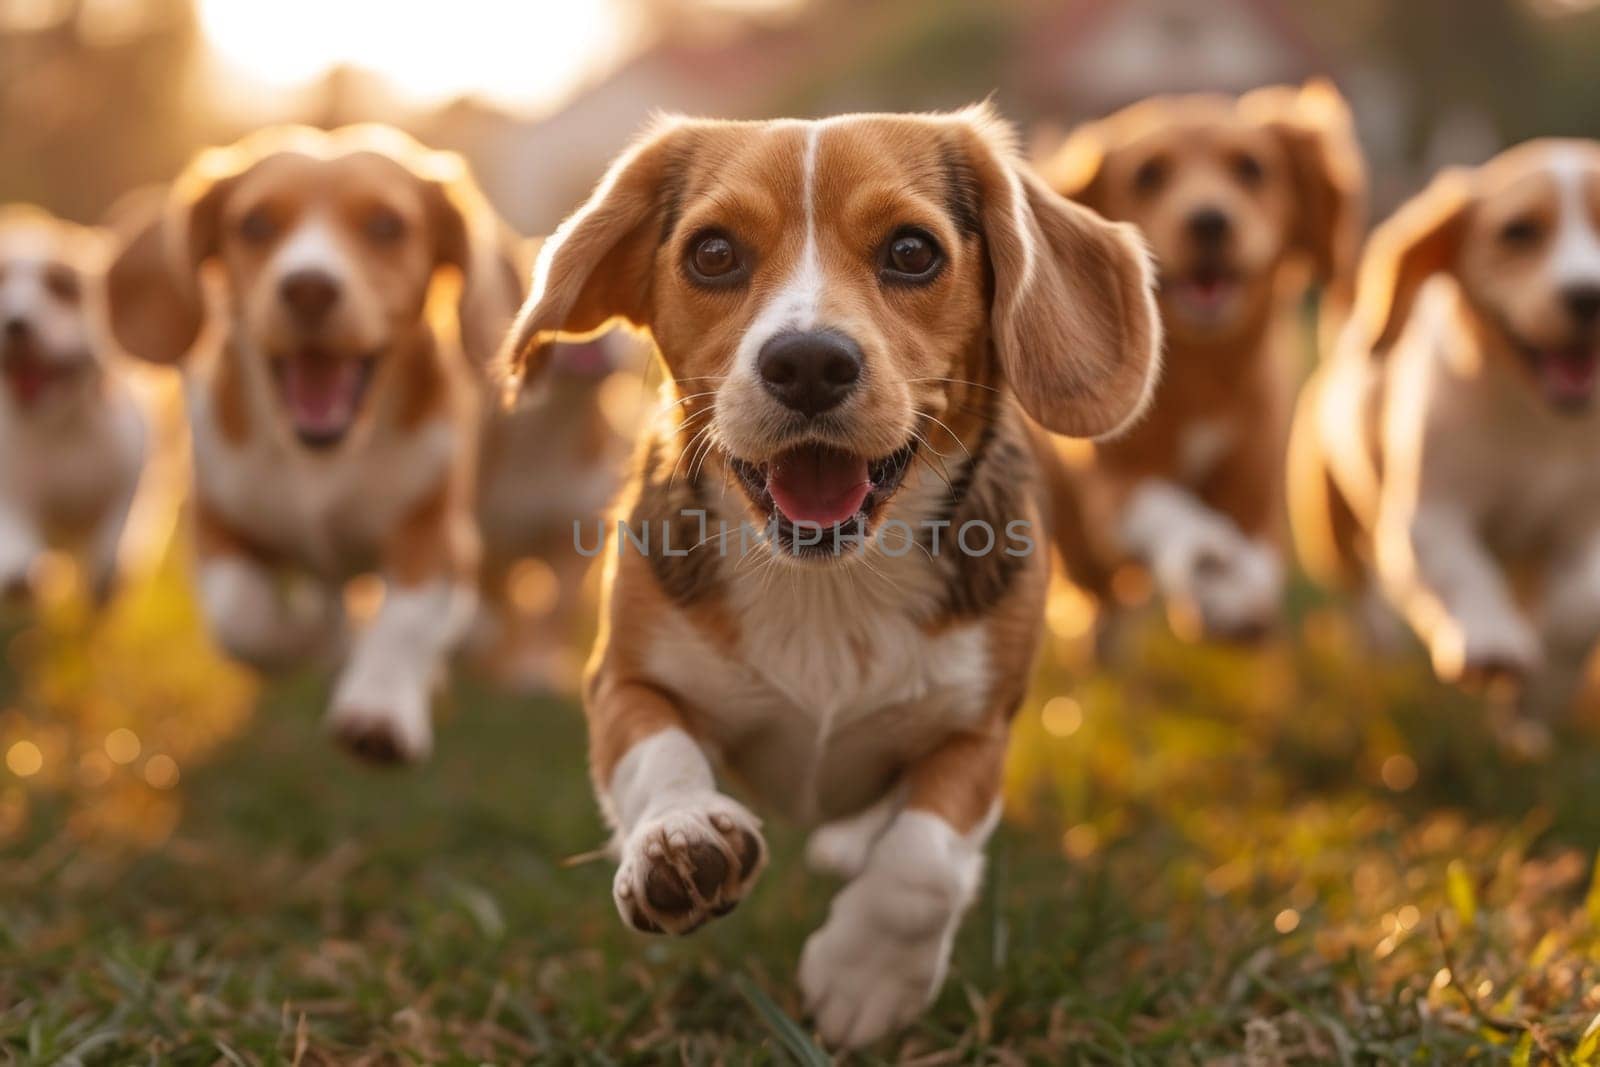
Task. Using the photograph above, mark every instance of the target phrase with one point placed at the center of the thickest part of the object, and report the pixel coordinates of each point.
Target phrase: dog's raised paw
(687, 865)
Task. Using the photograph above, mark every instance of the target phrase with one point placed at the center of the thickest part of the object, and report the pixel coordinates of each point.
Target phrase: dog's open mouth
(1567, 375)
(819, 498)
(1205, 293)
(323, 393)
(28, 374)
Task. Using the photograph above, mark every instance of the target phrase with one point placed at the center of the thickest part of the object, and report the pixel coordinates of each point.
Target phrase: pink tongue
(1572, 372)
(27, 380)
(818, 485)
(321, 392)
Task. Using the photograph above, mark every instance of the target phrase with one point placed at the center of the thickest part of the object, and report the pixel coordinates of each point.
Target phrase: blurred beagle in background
(865, 322)
(1450, 445)
(300, 280)
(1244, 202)
(72, 437)
(553, 459)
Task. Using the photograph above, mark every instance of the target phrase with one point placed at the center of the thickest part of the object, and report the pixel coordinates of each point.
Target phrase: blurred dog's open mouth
(323, 393)
(28, 374)
(1567, 375)
(826, 495)
(1205, 292)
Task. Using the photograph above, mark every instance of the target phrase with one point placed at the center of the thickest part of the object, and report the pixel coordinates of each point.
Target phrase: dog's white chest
(829, 692)
(68, 469)
(329, 513)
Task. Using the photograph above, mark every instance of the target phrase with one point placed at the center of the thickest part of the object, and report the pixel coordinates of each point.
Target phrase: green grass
(1296, 855)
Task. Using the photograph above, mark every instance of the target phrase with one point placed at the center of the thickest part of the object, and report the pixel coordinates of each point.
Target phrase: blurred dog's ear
(1076, 168)
(1420, 240)
(1074, 320)
(162, 237)
(596, 268)
(1314, 125)
(471, 236)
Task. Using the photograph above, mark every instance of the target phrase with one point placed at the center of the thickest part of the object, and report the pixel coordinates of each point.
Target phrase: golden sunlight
(523, 55)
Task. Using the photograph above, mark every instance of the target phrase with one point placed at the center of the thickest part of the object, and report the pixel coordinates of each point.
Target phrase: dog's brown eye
(714, 260)
(714, 256)
(62, 283)
(1521, 232)
(257, 226)
(1248, 169)
(385, 226)
(911, 257)
(1150, 175)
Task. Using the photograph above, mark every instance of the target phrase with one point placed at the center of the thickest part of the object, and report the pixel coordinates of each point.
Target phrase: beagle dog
(827, 582)
(1244, 201)
(1450, 444)
(333, 370)
(72, 436)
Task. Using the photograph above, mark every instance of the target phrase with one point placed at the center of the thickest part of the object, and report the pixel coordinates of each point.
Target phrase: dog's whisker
(954, 436)
(951, 381)
(671, 478)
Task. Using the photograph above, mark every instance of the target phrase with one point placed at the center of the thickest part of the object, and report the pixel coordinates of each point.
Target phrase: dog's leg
(882, 954)
(382, 702)
(1437, 571)
(1202, 562)
(687, 853)
(20, 546)
(255, 619)
(248, 608)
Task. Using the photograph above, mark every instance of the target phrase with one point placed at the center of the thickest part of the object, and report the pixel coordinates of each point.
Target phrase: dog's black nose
(1583, 302)
(309, 294)
(17, 328)
(1208, 226)
(811, 371)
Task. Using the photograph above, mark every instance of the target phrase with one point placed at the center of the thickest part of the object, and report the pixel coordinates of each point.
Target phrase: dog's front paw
(878, 960)
(688, 864)
(1234, 586)
(1486, 654)
(383, 725)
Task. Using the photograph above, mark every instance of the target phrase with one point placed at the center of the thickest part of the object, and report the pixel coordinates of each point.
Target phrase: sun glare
(521, 54)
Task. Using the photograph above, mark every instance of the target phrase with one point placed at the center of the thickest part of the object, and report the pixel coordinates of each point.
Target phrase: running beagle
(1450, 445)
(335, 408)
(72, 437)
(830, 580)
(1244, 201)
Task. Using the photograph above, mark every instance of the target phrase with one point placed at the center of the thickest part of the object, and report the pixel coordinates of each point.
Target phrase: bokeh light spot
(1061, 716)
(24, 759)
(161, 771)
(122, 745)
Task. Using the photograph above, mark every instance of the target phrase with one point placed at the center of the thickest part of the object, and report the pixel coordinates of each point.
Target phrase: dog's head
(1225, 190)
(819, 290)
(1521, 236)
(328, 243)
(50, 273)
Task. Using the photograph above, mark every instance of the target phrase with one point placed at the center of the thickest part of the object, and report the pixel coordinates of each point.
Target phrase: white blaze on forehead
(1575, 255)
(312, 245)
(796, 304)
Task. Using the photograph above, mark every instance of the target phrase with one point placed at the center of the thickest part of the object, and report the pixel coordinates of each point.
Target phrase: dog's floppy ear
(596, 268)
(162, 236)
(471, 236)
(1314, 125)
(1075, 169)
(1418, 241)
(1073, 318)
